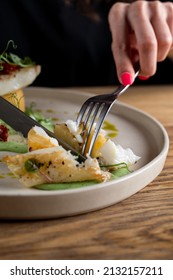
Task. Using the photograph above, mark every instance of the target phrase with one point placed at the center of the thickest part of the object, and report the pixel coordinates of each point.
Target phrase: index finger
(120, 47)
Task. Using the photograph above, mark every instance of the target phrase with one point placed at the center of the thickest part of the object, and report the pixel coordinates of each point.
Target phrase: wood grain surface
(140, 227)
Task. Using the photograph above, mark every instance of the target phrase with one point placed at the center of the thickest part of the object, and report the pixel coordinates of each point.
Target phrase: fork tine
(88, 114)
(81, 113)
(104, 111)
(94, 106)
(90, 126)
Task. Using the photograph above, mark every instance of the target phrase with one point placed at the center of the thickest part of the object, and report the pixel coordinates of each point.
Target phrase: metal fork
(93, 113)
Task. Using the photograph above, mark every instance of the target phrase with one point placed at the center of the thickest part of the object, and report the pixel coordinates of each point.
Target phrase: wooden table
(140, 227)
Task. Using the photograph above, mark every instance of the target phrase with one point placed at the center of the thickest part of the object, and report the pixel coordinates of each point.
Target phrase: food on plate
(73, 135)
(35, 114)
(105, 150)
(51, 163)
(14, 141)
(10, 140)
(17, 98)
(39, 139)
(39, 160)
(48, 162)
(15, 74)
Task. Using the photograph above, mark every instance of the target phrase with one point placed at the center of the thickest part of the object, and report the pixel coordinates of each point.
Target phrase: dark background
(73, 49)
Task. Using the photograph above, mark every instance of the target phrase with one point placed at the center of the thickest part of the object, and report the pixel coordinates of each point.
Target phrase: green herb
(37, 116)
(14, 59)
(119, 165)
(31, 165)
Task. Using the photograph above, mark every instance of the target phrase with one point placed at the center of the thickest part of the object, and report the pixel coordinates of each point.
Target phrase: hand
(141, 31)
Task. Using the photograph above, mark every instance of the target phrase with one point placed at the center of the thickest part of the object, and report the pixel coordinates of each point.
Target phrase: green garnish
(37, 116)
(31, 165)
(119, 165)
(14, 59)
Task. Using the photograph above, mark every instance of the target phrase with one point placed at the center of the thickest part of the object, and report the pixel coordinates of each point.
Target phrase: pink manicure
(143, 78)
(126, 78)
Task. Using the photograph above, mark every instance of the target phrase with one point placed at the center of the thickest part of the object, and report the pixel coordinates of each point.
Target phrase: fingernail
(126, 79)
(143, 77)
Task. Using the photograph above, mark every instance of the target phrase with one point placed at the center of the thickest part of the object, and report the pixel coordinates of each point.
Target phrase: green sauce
(13, 147)
(50, 111)
(76, 185)
(111, 129)
(65, 186)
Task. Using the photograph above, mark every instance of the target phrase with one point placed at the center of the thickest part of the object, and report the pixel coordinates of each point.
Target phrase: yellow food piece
(16, 98)
(100, 141)
(61, 130)
(53, 165)
(37, 141)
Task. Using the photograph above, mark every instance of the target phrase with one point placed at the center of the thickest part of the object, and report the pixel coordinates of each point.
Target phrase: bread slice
(18, 79)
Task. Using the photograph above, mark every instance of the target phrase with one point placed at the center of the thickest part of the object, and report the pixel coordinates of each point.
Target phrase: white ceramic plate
(137, 130)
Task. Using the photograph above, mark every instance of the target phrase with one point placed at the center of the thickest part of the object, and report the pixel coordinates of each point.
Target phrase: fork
(92, 114)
